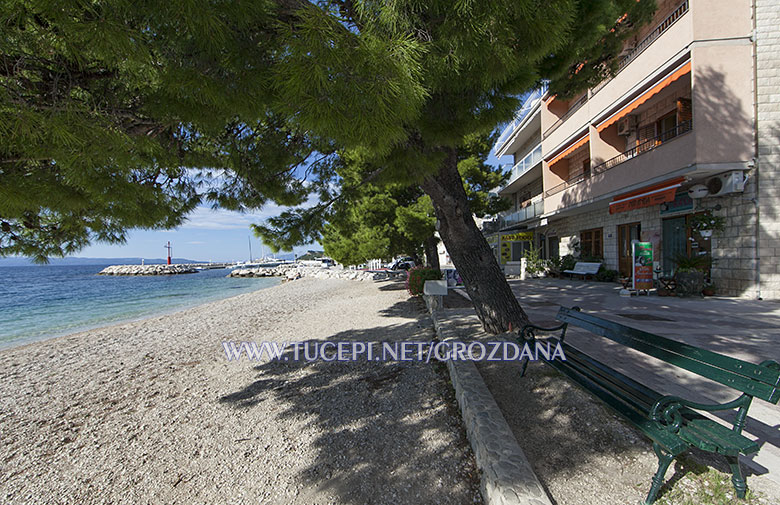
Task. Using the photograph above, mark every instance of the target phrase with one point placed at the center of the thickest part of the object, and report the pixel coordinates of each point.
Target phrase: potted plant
(705, 223)
(690, 273)
(709, 289)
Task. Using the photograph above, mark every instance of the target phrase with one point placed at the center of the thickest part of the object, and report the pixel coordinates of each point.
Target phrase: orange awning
(646, 197)
(647, 95)
(579, 143)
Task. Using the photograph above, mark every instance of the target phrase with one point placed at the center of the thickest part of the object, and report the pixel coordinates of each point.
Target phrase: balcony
(650, 161)
(530, 210)
(524, 166)
(645, 43)
(572, 109)
(521, 115)
(665, 43)
(642, 148)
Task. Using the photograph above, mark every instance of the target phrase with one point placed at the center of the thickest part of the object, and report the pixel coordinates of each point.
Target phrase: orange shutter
(647, 95)
(579, 143)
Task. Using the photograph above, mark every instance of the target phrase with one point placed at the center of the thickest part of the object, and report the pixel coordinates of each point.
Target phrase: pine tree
(376, 220)
(122, 114)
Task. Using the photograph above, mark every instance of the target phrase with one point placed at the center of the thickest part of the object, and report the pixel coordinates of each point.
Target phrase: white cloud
(205, 218)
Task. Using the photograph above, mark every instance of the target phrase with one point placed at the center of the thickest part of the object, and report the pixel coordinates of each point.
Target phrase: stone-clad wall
(768, 104)
(568, 229)
(733, 249)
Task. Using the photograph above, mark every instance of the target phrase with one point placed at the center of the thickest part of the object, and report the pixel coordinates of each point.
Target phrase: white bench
(584, 269)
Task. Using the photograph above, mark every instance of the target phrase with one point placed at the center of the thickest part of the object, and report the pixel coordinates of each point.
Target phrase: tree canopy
(117, 114)
(122, 114)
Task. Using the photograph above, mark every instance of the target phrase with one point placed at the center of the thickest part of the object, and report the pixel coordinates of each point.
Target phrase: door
(553, 245)
(626, 234)
(675, 241)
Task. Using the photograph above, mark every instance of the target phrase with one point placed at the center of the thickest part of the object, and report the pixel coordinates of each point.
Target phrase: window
(519, 249)
(586, 169)
(666, 127)
(591, 244)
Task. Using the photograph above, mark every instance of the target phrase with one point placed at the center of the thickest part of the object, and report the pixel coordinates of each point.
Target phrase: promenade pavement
(744, 329)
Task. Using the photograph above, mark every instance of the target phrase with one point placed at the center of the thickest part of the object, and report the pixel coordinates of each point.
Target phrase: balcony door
(626, 233)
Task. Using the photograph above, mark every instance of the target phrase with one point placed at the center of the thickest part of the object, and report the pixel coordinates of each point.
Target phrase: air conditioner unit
(723, 184)
(626, 125)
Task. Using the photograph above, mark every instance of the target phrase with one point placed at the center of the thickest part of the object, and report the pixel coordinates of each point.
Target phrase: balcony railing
(574, 108)
(527, 163)
(531, 210)
(645, 43)
(528, 105)
(641, 148)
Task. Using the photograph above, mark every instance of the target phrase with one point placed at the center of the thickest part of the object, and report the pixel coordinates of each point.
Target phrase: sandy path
(152, 412)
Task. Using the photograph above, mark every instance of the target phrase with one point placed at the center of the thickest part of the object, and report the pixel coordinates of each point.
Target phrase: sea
(44, 301)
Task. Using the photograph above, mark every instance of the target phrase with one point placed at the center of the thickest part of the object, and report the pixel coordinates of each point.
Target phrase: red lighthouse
(169, 251)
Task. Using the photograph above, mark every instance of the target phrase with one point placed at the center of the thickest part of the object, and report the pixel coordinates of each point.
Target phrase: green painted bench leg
(736, 478)
(664, 460)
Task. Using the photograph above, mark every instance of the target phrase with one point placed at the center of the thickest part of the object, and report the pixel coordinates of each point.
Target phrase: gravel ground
(153, 412)
(586, 455)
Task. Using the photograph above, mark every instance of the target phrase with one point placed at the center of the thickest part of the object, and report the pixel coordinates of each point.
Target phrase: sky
(208, 235)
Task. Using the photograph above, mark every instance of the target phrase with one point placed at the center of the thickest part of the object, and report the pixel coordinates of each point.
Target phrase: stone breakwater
(293, 272)
(147, 270)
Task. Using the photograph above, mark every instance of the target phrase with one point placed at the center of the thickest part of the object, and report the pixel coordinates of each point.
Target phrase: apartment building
(690, 123)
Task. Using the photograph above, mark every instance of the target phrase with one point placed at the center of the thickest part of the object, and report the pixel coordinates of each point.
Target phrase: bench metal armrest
(528, 332)
(667, 410)
(528, 335)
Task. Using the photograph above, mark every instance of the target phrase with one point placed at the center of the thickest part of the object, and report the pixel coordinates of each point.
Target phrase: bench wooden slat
(760, 382)
(680, 425)
(666, 439)
(708, 435)
(638, 394)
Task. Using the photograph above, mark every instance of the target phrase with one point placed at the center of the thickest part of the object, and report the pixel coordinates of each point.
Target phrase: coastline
(152, 411)
(128, 316)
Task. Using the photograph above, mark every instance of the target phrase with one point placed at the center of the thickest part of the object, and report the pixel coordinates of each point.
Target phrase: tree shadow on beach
(386, 431)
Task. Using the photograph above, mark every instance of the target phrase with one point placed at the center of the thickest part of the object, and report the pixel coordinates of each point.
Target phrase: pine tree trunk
(432, 251)
(496, 305)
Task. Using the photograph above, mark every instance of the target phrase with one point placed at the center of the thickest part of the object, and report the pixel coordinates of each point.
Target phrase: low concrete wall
(507, 477)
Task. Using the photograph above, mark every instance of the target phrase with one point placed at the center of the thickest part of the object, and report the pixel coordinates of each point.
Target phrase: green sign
(643, 265)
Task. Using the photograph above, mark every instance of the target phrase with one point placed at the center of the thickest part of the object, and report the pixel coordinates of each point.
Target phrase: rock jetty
(147, 270)
(292, 272)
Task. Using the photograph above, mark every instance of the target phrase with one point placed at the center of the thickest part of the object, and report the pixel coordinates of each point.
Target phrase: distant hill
(312, 255)
(17, 261)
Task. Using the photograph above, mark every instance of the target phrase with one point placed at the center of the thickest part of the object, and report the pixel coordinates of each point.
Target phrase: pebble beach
(152, 411)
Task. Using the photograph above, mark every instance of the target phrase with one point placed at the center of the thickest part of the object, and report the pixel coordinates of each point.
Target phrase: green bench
(671, 422)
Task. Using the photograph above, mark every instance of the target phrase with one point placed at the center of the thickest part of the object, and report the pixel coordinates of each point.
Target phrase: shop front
(513, 246)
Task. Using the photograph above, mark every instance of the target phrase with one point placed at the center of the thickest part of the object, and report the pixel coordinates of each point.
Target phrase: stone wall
(568, 229)
(733, 249)
(768, 104)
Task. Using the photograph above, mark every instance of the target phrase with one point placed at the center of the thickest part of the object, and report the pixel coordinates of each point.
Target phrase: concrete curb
(507, 477)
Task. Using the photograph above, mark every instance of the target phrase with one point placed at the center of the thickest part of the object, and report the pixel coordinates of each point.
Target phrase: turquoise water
(39, 302)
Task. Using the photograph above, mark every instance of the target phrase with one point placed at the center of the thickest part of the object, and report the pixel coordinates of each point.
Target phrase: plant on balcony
(705, 223)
